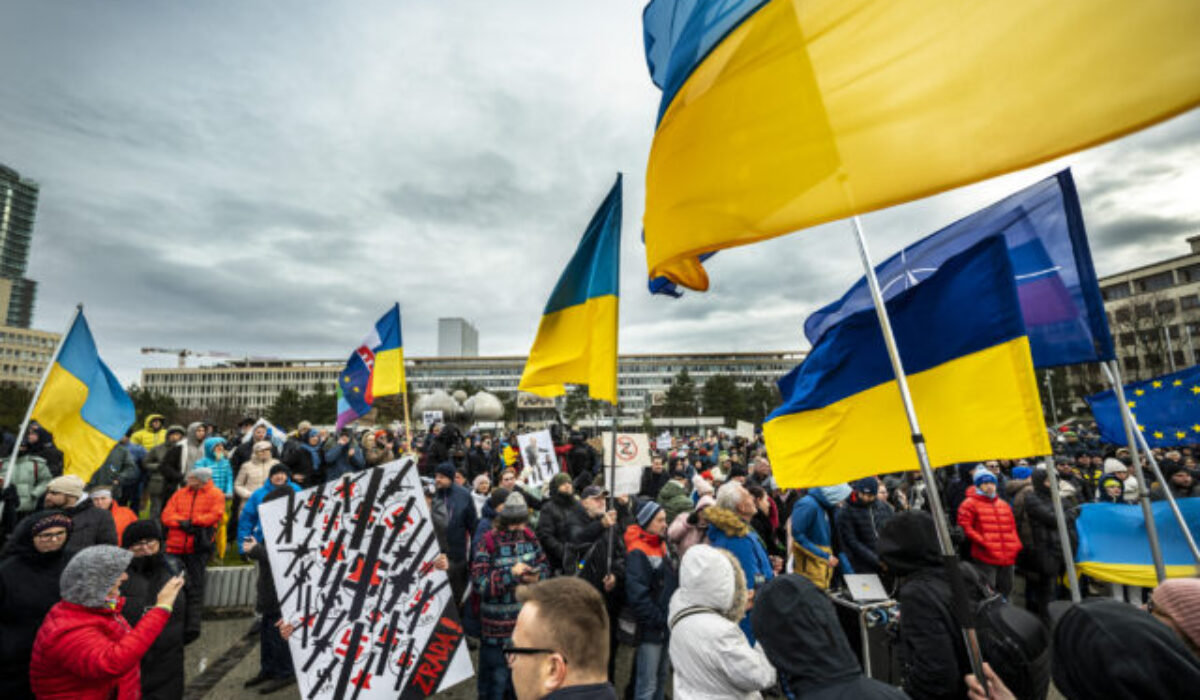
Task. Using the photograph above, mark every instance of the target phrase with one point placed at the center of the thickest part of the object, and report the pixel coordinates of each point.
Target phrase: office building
(457, 338)
(24, 355)
(18, 206)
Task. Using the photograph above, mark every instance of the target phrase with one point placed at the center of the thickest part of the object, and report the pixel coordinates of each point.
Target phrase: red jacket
(91, 652)
(989, 524)
(203, 507)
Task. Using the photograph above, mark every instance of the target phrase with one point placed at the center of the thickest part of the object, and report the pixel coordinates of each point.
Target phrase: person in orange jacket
(101, 497)
(191, 518)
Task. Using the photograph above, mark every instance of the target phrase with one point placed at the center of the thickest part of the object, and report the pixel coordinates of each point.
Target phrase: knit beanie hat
(1179, 598)
(279, 468)
(87, 579)
(836, 494)
(497, 497)
(52, 520)
(139, 530)
(647, 512)
(983, 476)
(868, 485)
(1022, 473)
(68, 485)
(178, 429)
(203, 474)
(1112, 465)
(515, 510)
(446, 469)
(557, 482)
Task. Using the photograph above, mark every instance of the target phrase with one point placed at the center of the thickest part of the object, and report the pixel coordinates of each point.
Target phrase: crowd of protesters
(716, 577)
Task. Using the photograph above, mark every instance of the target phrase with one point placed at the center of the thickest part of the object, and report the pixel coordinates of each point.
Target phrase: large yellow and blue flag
(1113, 545)
(82, 404)
(1166, 409)
(965, 351)
(777, 115)
(375, 368)
(576, 339)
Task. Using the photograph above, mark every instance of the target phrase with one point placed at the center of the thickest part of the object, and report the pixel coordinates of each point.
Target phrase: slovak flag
(375, 368)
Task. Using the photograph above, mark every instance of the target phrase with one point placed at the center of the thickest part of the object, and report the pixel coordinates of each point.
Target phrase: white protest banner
(745, 429)
(664, 442)
(633, 449)
(537, 455)
(431, 417)
(352, 561)
(627, 480)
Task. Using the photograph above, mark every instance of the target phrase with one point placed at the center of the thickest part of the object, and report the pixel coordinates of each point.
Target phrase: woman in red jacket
(85, 648)
(988, 523)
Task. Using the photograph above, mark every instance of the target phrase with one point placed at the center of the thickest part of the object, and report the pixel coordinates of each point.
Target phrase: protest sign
(431, 417)
(633, 449)
(745, 429)
(352, 561)
(627, 480)
(537, 455)
(664, 442)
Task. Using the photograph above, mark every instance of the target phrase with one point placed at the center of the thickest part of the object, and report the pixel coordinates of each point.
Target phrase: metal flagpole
(1170, 497)
(611, 480)
(37, 394)
(1063, 536)
(949, 556)
(1170, 349)
(1187, 328)
(1114, 378)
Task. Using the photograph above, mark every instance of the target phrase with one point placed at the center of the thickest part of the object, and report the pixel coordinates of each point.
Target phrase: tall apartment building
(18, 206)
(24, 355)
(457, 338)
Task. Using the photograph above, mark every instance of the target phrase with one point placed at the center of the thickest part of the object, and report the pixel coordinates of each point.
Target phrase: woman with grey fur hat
(85, 648)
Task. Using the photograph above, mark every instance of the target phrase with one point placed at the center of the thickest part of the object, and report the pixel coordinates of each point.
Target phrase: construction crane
(183, 353)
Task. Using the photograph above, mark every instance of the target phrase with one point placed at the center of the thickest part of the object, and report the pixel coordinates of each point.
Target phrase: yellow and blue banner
(375, 368)
(966, 354)
(777, 115)
(1166, 409)
(576, 339)
(1113, 545)
(82, 404)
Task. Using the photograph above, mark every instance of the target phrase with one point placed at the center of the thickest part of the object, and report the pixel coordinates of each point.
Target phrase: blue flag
(1167, 410)
(1113, 544)
(1043, 228)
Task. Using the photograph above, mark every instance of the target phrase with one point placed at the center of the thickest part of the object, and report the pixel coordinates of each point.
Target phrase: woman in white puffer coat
(709, 651)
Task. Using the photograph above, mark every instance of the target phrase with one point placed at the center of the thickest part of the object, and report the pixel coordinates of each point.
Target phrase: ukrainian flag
(962, 339)
(576, 340)
(777, 115)
(1113, 545)
(82, 404)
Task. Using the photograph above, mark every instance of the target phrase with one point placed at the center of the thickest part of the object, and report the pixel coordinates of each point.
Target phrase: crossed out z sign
(352, 562)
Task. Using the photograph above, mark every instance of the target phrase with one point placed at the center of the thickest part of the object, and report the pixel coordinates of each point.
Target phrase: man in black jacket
(653, 479)
(597, 555)
(162, 666)
(482, 459)
(554, 524)
(1043, 557)
(89, 524)
(858, 525)
(461, 521)
(275, 662)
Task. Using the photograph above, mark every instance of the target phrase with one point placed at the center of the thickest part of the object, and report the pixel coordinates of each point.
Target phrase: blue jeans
(651, 666)
(494, 681)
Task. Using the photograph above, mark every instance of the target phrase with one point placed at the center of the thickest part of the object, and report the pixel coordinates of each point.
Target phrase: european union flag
(1166, 408)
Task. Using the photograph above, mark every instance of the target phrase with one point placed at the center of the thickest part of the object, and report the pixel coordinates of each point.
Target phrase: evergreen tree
(722, 397)
(680, 401)
(287, 410)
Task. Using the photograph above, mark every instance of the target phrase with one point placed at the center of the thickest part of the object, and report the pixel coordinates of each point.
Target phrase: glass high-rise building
(18, 206)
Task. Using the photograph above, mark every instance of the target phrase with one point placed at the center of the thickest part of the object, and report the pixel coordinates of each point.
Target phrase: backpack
(1015, 643)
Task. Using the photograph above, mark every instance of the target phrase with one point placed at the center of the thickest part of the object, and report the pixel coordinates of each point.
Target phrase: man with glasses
(559, 648)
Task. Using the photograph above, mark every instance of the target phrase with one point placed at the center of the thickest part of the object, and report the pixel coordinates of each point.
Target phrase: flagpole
(1114, 377)
(949, 555)
(408, 436)
(1064, 537)
(612, 476)
(37, 394)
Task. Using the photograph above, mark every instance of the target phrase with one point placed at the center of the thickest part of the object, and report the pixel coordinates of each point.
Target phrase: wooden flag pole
(949, 555)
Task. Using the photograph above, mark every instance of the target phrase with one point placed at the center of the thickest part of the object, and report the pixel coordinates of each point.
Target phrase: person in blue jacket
(461, 521)
(812, 541)
(729, 529)
(342, 457)
(249, 524)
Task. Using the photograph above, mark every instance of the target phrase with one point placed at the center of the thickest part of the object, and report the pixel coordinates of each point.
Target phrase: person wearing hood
(812, 534)
(800, 634)
(31, 568)
(244, 450)
(192, 448)
(554, 524)
(191, 518)
(650, 580)
(215, 459)
(304, 459)
(480, 488)
(29, 478)
(275, 662)
(162, 666)
(729, 529)
(1116, 468)
(162, 469)
(102, 499)
(1112, 490)
(90, 525)
(858, 525)
(461, 521)
(38, 442)
(988, 523)
(85, 648)
(673, 496)
(711, 657)
(342, 457)
(1111, 650)
(250, 524)
(691, 528)
(254, 472)
(152, 433)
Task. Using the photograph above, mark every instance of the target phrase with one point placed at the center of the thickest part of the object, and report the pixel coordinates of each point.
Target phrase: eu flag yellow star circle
(1156, 384)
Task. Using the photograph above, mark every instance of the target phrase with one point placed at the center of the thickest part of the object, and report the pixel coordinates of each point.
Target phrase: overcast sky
(267, 178)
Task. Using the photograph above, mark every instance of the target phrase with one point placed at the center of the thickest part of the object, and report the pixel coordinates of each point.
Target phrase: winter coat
(89, 526)
(711, 657)
(162, 466)
(1157, 494)
(553, 527)
(192, 449)
(674, 499)
(305, 461)
(29, 478)
(811, 526)
(121, 516)
(118, 471)
(222, 471)
(726, 530)
(990, 526)
(162, 666)
(251, 477)
(858, 532)
(460, 521)
(491, 575)
(593, 691)
(684, 533)
(148, 438)
(589, 557)
(83, 653)
(582, 461)
(339, 461)
(1044, 553)
(202, 508)
(29, 587)
(249, 524)
(650, 581)
(480, 462)
(244, 451)
(44, 448)
(652, 483)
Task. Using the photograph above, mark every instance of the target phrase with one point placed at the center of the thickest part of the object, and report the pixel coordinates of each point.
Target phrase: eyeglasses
(51, 535)
(144, 544)
(511, 652)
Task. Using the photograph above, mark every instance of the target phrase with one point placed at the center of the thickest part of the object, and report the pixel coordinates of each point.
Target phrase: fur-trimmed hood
(726, 521)
(710, 578)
